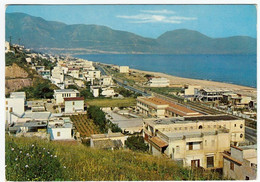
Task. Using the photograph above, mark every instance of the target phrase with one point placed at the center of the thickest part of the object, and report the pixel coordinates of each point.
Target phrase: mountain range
(53, 37)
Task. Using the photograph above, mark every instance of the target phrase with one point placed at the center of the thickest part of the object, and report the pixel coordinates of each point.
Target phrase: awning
(159, 142)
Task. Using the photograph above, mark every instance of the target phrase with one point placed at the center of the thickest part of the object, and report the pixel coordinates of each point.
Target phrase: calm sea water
(236, 69)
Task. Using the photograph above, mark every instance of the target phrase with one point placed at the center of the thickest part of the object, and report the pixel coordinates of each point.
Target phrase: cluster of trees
(136, 143)
(98, 116)
(126, 93)
(40, 90)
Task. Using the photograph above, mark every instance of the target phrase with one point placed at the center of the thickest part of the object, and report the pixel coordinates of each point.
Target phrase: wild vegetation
(41, 89)
(136, 143)
(80, 163)
(108, 102)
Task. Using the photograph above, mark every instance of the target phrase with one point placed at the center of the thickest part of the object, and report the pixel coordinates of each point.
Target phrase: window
(180, 128)
(247, 178)
(191, 127)
(73, 103)
(241, 126)
(190, 145)
(241, 135)
(231, 166)
(210, 161)
(11, 109)
(6, 102)
(185, 128)
(206, 142)
(235, 125)
(177, 149)
(58, 134)
(6, 108)
(200, 126)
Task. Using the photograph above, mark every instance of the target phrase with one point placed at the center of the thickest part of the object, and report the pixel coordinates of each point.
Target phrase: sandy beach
(174, 80)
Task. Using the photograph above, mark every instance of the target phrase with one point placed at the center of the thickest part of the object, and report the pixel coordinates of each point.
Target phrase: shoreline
(175, 80)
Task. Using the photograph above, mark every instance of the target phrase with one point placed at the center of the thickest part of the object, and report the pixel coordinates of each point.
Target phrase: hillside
(56, 37)
(72, 161)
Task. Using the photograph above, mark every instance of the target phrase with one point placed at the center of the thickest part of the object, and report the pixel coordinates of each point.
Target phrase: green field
(75, 162)
(125, 102)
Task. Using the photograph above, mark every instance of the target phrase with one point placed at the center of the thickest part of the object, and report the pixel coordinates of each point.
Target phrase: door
(195, 163)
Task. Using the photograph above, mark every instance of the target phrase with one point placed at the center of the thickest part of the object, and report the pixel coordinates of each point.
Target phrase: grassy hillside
(34, 159)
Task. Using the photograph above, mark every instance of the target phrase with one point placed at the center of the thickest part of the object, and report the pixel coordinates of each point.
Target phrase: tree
(136, 143)
(98, 116)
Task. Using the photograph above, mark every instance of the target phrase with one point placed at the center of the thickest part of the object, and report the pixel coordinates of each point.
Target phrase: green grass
(84, 163)
(125, 102)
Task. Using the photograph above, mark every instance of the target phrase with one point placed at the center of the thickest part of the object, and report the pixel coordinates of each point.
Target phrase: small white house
(59, 95)
(95, 91)
(14, 106)
(108, 92)
(159, 82)
(60, 129)
(74, 104)
(124, 69)
(106, 80)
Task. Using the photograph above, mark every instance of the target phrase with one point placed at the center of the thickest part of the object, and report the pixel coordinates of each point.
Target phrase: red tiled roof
(157, 141)
(73, 98)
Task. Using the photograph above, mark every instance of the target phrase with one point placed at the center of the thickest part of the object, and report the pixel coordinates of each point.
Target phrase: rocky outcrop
(15, 71)
(12, 85)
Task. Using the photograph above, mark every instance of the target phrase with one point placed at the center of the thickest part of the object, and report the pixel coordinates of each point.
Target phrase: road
(250, 133)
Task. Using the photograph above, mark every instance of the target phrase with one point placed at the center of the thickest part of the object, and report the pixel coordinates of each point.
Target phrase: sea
(235, 69)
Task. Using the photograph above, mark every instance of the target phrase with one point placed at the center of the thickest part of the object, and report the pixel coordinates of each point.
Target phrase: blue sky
(153, 20)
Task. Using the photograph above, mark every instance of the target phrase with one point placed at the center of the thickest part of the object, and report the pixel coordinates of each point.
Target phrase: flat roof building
(156, 107)
(240, 163)
(194, 141)
(59, 95)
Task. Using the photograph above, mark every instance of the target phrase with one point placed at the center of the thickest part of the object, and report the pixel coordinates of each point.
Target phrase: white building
(106, 80)
(159, 82)
(108, 92)
(18, 95)
(7, 46)
(92, 74)
(57, 75)
(74, 104)
(240, 163)
(189, 90)
(124, 69)
(94, 90)
(60, 129)
(59, 95)
(14, 108)
(73, 72)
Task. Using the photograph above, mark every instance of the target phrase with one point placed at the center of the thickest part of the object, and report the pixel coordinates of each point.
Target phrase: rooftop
(66, 90)
(183, 120)
(37, 115)
(193, 134)
(211, 118)
(73, 98)
(108, 135)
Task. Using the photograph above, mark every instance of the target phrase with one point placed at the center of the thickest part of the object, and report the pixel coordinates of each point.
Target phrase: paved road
(132, 88)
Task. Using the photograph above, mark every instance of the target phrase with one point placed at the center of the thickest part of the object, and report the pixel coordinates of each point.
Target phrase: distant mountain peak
(37, 33)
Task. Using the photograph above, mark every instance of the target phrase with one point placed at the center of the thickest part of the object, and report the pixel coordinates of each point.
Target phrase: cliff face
(16, 78)
(15, 71)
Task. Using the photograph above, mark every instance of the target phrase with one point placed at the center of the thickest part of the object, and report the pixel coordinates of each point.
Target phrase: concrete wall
(77, 106)
(15, 105)
(65, 133)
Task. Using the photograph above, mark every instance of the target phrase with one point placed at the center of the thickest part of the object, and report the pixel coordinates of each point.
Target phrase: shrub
(136, 143)
(31, 163)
